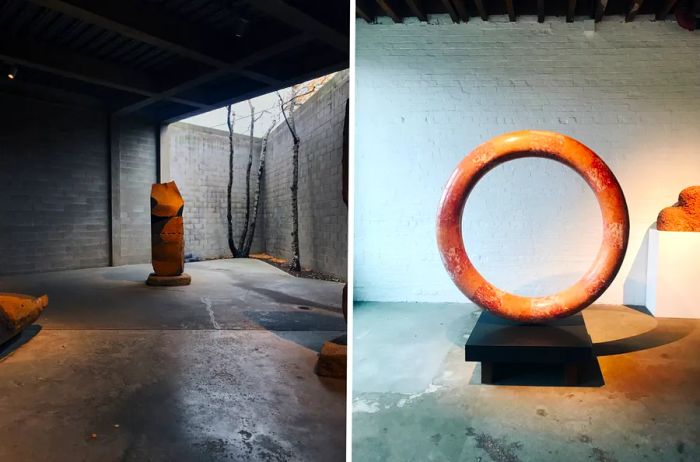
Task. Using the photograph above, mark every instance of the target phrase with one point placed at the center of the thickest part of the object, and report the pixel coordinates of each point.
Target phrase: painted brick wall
(138, 171)
(54, 193)
(199, 166)
(429, 93)
(322, 214)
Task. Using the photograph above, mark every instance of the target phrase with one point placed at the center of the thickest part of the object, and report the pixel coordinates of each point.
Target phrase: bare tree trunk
(295, 263)
(229, 121)
(241, 243)
(256, 202)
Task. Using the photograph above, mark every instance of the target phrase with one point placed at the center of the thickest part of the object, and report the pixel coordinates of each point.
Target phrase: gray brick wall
(54, 194)
(58, 162)
(199, 164)
(322, 212)
(56, 170)
(199, 159)
(137, 172)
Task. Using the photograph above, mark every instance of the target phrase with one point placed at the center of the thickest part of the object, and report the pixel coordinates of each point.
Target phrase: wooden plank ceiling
(463, 10)
(169, 59)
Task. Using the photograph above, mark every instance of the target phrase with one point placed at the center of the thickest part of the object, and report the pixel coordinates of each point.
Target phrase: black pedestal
(501, 345)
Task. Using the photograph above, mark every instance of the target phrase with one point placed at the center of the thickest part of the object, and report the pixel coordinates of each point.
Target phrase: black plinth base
(503, 346)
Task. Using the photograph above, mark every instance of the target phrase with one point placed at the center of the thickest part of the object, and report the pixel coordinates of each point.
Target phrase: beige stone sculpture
(17, 312)
(684, 215)
(167, 236)
(548, 145)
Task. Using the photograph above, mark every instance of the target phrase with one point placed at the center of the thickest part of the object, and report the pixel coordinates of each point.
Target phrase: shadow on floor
(12, 345)
(302, 320)
(281, 297)
(666, 331)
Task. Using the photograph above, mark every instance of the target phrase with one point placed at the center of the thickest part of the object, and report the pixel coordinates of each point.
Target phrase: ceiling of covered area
(170, 59)
(463, 10)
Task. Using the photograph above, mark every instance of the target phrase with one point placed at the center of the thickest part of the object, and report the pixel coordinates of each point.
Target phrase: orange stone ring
(548, 145)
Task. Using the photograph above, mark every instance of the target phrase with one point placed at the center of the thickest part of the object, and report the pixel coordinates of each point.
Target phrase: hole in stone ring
(532, 226)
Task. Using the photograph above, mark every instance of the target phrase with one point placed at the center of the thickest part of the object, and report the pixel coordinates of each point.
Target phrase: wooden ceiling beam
(634, 9)
(461, 7)
(252, 58)
(362, 11)
(145, 24)
(296, 18)
(451, 10)
(666, 7)
(481, 9)
(417, 9)
(511, 10)
(65, 63)
(540, 10)
(600, 9)
(389, 11)
(571, 11)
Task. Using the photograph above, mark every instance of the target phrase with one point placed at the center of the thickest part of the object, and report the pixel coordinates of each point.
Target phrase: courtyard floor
(218, 370)
(416, 399)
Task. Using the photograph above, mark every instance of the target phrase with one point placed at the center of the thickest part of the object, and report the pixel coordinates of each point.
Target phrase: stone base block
(673, 262)
(333, 359)
(182, 280)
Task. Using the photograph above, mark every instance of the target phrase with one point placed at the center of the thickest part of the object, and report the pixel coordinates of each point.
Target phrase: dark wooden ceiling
(169, 59)
(463, 10)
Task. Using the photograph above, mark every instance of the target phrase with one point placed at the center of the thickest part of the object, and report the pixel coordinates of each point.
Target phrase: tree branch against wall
(256, 201)
(295, 263)
(245, 251)
(230, 119)
(299, 94)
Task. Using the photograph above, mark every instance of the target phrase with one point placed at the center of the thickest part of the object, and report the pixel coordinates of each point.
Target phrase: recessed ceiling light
(240, 27)
(12, 72)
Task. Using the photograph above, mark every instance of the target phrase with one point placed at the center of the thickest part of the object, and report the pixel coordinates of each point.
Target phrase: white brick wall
(428, 94)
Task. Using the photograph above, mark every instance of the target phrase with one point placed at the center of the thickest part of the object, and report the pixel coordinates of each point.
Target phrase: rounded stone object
(547, 145)
(183, 279)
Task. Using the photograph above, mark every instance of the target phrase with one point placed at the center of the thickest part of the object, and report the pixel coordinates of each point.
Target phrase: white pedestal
(673, 274)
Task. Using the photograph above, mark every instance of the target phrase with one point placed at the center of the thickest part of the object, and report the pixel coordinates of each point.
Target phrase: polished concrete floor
(116, 370)
(416, 399)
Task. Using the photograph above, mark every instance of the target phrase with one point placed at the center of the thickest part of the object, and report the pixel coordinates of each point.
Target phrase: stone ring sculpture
(548, 145)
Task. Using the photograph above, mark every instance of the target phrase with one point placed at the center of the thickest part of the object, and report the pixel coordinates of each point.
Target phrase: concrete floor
(219, 370)
(416, 399)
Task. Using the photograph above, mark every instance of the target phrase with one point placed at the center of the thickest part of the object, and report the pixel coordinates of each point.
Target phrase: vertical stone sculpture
(167, 236)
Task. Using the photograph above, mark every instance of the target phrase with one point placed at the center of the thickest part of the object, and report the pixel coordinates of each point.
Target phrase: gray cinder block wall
(322, 213)
(199, 164)
(74, 186)
(54, 185)
(135, 154)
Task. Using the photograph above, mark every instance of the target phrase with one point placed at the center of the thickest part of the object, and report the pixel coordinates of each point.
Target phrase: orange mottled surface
(548, 145)
(684, 215)
(167, 230)
(18, 311)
